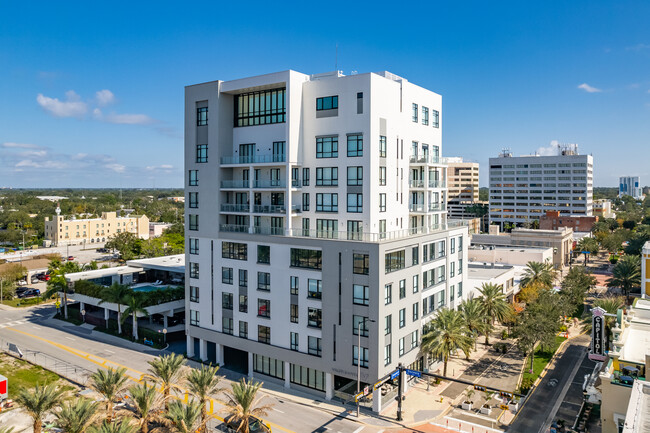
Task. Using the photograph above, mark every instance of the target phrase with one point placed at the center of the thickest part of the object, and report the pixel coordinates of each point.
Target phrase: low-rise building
(603, 209)
(579, 223)
(157, 229)
(509, 255)
(503, 275)
(68, 230)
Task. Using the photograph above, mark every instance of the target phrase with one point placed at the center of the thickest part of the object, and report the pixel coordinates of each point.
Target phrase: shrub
(526, 385)
(563, 328)
(504, 334)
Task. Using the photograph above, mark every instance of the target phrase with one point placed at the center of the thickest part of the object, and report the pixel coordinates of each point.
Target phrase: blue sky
(91, 93)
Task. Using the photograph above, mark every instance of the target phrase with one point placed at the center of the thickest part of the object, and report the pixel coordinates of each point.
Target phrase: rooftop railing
(253, 159)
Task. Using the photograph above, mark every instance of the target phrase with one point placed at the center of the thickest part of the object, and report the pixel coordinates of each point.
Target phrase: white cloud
(71, 107)
(117, 168)
(10, 145)
(162, 167)
(129, 119)
(43, 164)
(104, 97)
(550, 150)
(589, 89)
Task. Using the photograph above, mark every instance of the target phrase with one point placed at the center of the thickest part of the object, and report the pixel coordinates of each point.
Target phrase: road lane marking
(70, 338)
(359, 429)
(109, 351)
(277, 410)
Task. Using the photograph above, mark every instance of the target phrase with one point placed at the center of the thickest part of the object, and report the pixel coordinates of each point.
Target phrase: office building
(630, 185)
(523, 188)
(330, 217)
(462, 187)
(552, 219)
(603, 209)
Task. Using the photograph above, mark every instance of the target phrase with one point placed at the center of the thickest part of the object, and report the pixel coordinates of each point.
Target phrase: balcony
(413, 183)
(425, 159)
(295, 183)
(416, 207)
(436, 207)
(255, 159)
(235, 184)
(228, 207)
(275, 183)
(269, 209)
(437, 184)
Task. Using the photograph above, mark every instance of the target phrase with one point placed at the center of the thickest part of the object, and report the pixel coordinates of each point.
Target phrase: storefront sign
(597, 349)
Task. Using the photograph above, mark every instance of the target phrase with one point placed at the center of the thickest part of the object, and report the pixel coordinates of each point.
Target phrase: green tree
(116, 293)
(494, 304)
(242, 404)
(57, 282)
(202, 383)
(575, 286)
(626, 275)
(587, 246)
(184, 418)
(636, 242)
(124, 425)
(126, 243)
(539, 323)
(145, 399)
(538, 274)
(39, 401)
(474, 318)
(445, 334)
(135, 304)
(109, 384)
(165, 371)
(77, 415)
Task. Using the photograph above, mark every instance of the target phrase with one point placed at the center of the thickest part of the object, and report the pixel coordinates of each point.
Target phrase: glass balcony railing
(227, 207)
(436, 184)
(235, 184)
(254, 159)
(269, 209)
(425, 159)
(416, 183)
(416, 207)
(275, 183)
(436, 207)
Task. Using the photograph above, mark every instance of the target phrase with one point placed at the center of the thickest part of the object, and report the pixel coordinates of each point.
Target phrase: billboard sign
(597, 349)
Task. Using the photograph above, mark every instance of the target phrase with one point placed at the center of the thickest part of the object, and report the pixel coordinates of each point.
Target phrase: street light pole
(362, 322)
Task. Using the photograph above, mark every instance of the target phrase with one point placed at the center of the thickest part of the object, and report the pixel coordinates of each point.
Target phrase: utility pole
(399, 392)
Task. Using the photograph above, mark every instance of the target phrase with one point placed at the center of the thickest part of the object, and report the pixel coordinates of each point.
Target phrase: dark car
(30, 293)
(21, 290)
(255, 425)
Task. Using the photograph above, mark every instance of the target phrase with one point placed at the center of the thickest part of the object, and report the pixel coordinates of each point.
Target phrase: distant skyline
(91, 94)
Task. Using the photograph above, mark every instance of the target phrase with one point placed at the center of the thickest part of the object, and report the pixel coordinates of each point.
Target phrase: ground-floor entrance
(235, 359)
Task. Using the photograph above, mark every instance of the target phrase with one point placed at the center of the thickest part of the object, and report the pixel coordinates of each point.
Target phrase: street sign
(503, 406)
(394, 374)
(597, 349)
(414, 373)
(479, 388)
(366, 390)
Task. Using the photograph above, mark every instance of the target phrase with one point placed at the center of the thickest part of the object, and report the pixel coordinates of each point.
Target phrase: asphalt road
(78, 347)
(542, 405)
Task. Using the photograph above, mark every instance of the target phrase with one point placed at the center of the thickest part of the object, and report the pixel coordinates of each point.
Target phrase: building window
(402, 289)
(305, 177)
(355, 176)
(388, 324)
(327, 147)
(460, 266)
(355, 145)
(314, 317)
(294, 285)
(382, 176)
(452, 293)
(263, 308)
(387, 354)
(414, 339)
(263, 334)
(436, 118)
(360, 295)
(327, 103)
(359, 321)
(416, 310)
(452, 245)
(382, 146)
(263, 281)
(293, 313)
(234, 250)
(327, 176)
(201, 153)
(194, 200)
(268, 366)
(243, 329)
(226, 275)
(314, 346)
(243, 278)
(355, 230)
(382, 229)
(194, 178)
(327, 229)
(260, 108)
(394, 261)
(308, 377)
(401, 346)
(194, 246)
(327, 202)
(315, 288)
(309, 259)
(364, 356)
(201, 116)
(382, 202)
(305, 202)
(402, 318)
(226, 301)
(425, 116)
(243, 304)
(360, 263)
(416, 280)
(460, 290)
(194, 318)
(226, 325)
(194, 222)
(194, 270)
(264, 254)
(295, 341)
(194, 294)
(388, 294)
(355, 203)
(452, 269)
(414, 113)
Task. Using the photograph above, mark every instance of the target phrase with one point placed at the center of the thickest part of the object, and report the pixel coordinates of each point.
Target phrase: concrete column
(190, 346)
(250, 364)
(376, 400)
(203, 349)
(219, 349)
(287, 375)
(329, 386)
(165, 321)
(82, 306)
(107, 313)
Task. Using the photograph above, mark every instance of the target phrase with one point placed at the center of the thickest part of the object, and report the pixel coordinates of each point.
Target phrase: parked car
(255, 425)
(21, 290)
(30, 293)
(22, 282)
(70, 258)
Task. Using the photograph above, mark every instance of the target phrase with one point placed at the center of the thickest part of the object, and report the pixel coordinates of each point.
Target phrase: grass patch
(17, 302)
(22, 374)
(541, 359)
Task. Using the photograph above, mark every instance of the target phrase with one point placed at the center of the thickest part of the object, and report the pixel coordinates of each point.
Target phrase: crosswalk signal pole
(399, 392)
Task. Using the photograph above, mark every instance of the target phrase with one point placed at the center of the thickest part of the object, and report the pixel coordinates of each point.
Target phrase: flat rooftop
(174, 263)
(482, 272)
(100, 273)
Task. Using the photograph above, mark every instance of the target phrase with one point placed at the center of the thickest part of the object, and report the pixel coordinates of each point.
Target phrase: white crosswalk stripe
(14, 323)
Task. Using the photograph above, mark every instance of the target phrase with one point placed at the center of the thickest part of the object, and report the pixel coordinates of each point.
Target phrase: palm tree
(184, 418)
(626, 275)
(588, 246)
(122, 426)
(135, 304)
(165, 371)
(242, 404)
(115, 294)
(538, 274)
(445, 334)
(77, 415)
(145, 399)
(109, 383)
(39, 401)
(6, 429)
(494, 305)
(201, 384)
(474, 318)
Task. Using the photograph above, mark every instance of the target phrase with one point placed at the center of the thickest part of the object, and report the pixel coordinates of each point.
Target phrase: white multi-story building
(630, 185)
(314, 204)
(523, 188)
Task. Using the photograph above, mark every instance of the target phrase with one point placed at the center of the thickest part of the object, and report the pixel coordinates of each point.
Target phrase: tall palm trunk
(119, 319)
(204, 416)
(109, 410)
(65, 302)
(38, 425)
(135, 326)
(444, 368)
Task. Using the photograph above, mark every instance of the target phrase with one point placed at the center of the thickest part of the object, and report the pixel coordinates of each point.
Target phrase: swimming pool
(149, 288)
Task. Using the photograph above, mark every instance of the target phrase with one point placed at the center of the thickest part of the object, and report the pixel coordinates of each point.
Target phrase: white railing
(253, 159)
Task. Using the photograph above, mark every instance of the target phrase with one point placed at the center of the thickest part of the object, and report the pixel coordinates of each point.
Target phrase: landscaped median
(541, 359)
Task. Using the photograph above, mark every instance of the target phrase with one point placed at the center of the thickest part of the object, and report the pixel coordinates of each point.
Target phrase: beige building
(603, 209)
(157, 229)
(62, 230)
(462, 186)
